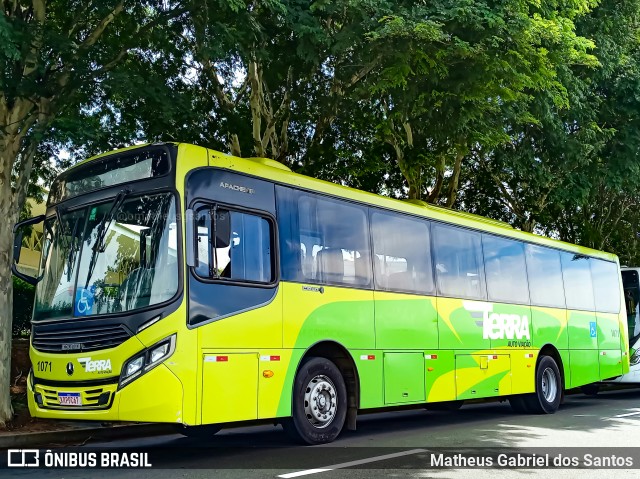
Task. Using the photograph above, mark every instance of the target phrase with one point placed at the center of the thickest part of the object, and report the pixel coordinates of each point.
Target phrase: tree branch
(93, 37)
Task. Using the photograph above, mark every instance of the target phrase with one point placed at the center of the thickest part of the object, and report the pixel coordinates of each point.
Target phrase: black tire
(518, 404)
(548, 395)
(590, 389)
(319, 406)
(444, 406)
(198, 432)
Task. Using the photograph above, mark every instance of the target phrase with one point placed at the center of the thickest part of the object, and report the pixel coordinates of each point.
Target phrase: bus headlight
(134, 366)
(147, 360)
(158, 353)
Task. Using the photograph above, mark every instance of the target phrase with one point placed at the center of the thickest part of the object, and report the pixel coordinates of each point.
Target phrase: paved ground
(396, 445)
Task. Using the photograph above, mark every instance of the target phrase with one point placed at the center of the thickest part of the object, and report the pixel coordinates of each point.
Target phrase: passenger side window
(402, 256)
(578, 288)
(505, 269)
(234, 245)
(606, 285)
(545, 276)
(334, 241)
(458, 258)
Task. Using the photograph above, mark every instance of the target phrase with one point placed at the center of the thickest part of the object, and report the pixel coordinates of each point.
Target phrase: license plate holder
(69, 399)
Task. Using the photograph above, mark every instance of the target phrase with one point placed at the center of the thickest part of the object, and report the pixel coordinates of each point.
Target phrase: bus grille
(96, 397)
(79, 339)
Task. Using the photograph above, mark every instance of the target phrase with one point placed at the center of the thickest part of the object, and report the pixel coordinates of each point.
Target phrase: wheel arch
(550, 350)
(340, 356)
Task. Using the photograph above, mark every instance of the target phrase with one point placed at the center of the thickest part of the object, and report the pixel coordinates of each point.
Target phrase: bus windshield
(110, 257)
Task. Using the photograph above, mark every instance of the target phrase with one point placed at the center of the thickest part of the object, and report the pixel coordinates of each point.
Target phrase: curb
(82, 435)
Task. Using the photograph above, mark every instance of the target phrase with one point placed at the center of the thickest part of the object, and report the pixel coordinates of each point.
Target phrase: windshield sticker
(84, 301)
(92, 215)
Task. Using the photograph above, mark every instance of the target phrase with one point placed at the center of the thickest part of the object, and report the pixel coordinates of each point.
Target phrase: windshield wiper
(72, 249)
(103, 227)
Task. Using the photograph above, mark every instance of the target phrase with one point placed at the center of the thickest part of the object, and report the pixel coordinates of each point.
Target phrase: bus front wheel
(548, 395)
(319, 405)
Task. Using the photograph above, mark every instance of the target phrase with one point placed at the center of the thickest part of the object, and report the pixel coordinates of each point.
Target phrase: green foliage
(524, 111)
(23, 296)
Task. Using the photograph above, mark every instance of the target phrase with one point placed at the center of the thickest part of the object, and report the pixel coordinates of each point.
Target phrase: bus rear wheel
(546, 399)
(319, 405)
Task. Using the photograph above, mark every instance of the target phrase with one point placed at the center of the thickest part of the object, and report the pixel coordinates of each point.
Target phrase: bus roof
(279, 173)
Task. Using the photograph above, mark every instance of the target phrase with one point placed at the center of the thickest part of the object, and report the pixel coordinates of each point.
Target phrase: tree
(573, 173)
(453, 73)
(54, 55)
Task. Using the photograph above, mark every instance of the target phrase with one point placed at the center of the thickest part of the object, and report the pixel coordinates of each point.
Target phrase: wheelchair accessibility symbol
(592, 329)
(84, 302)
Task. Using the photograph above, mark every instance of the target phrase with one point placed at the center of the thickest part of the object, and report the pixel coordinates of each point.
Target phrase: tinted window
(458, 268)
(333, 239)
(402, 260)
(545, 276)
(577, 281)
(505, 270)
(233, 245)
(606, 285)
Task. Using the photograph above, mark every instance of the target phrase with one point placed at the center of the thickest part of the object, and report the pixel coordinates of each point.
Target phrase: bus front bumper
(156, 396)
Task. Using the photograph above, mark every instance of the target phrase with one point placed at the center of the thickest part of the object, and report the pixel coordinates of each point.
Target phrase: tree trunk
(6, 316)
(7, 212)
(455, 179)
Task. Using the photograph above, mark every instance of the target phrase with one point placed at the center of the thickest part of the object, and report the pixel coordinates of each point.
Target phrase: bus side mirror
(18, 234)
(17, 246)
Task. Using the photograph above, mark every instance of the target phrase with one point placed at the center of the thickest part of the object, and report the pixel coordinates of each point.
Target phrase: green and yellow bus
(181, 285)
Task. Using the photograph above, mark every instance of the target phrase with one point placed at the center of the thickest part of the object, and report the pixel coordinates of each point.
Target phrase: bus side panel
(583, 330)
(441, 375)
(509, 326)
(313, 314)
(549, 326)
(460, 324)
(523, 370)
(259, 328)
(229, 387)
(405, 321)
(482, 375)
(608, 331)
(610, 363)
(584, 366)
(583, 347)
(566, 363)
(369, 365)
(404, 380)
(609, 335)
(345, 316)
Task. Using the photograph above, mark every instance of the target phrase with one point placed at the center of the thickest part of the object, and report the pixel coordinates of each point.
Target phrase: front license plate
(69, 399)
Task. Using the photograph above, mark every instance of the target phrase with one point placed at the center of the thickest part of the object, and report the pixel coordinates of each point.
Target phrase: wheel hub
(549, 385)
(320, 401)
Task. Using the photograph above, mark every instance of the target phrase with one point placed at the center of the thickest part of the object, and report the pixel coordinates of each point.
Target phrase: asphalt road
(396, 445)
